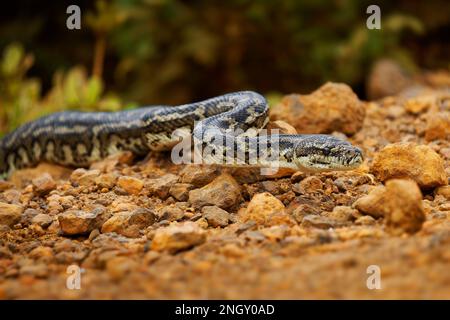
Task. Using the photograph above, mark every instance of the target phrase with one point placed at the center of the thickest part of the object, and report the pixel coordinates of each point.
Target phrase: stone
(365, 221)
(28, 215)
(42, 253)
(129, 224)
(43, 220)
(409, 160)
(280, 127)
(119, 267)
(10, 214)
(399, 202)
(372, 203)
(215, 216)
(438, 126)
(171, 213)
(443, 191)
(320, 222)
(198, 175)
(310, 184)
(84, 177)
(420, 103)
(21, 178)
(131, 185)
(177, 237)
(73, 222)
(106, 180)
(267, 210)
(332, 107)
(160, 187)
(223, 192)
(276, 233)
(342, 213)
(303, 210)
(180, 191)
(44, 184)
(387, 78)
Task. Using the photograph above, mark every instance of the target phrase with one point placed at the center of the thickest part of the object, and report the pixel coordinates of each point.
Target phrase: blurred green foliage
(21, 98)
(174, 51)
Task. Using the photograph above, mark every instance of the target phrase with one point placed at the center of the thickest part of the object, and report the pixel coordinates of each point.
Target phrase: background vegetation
(137, 52)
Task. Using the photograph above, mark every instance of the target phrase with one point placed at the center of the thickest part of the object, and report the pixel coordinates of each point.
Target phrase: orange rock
(178, 237)
(443, 191)
(22, 177)
(400, 203)
(129, 224)
(438, 126)
(409, 160)
(332, 107)
(223, 192)
(421, 103)
(130, 184)
(266, 210)
(281, 127)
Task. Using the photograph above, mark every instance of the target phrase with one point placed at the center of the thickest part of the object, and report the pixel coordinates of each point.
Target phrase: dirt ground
(147, 228)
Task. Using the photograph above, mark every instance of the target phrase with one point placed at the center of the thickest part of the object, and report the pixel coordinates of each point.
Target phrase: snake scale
(81, 138)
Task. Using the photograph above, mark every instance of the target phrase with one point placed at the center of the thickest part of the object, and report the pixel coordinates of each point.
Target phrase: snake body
(81, 138)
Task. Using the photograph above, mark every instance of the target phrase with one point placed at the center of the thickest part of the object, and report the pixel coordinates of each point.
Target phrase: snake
(78, 139)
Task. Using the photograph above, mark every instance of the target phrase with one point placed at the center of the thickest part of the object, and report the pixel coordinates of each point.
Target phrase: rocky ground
(152, 229)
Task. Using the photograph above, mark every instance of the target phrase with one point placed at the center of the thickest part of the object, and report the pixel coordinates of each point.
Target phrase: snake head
(316, 153)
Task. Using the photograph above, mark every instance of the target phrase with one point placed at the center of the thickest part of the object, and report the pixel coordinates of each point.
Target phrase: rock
(177, 237)
(119, 267)
(321, 222)
(10, 214)
(223, 192)
(180, 191)
(215, 216)
(408, 160)
(106, 180)
(42, 253)
(37, 270)
(28, 215)
(387, 78)
(12, 196)
(43, 220)
(405, 206)
(198, 175)
(160, 187)
(438, 126)
(443, 191)
(365, 221)
(74, 222)
(276, 233)
(5, 185)
(171, 214)
(84, 177)
(303, 210)
(131, 185)
(130, 224)
(421, 103)
(342, 213)
(373, 203)
(400, 202)
(44, 184)
(310, 184)
(266, 210)
(332, 107)
(22, 177)
(280, 127)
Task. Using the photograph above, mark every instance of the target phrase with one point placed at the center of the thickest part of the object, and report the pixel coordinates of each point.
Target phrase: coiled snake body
(80, 138)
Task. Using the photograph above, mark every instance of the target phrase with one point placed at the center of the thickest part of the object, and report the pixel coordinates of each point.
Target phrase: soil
(141, 229)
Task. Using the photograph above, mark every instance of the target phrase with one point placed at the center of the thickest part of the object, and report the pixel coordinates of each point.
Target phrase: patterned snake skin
(78, 139)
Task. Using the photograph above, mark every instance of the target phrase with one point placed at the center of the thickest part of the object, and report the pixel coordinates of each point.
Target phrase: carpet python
(81, 138)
